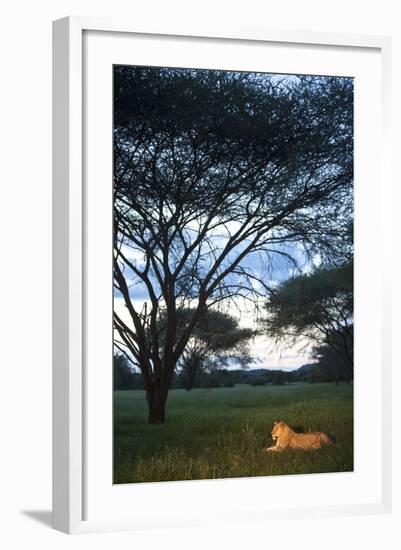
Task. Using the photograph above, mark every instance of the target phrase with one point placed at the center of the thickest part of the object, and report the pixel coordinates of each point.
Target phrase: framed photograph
(219, 325)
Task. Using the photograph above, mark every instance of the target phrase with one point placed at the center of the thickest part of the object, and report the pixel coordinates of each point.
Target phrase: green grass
(217, 433)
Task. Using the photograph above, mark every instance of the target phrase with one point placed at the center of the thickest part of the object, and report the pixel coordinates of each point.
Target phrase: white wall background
(25, 217)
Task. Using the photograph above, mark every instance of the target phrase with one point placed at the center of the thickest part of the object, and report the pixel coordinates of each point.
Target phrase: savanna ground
(219, 433)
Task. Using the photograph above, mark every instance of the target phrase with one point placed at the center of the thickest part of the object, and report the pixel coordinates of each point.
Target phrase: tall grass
(217, 433)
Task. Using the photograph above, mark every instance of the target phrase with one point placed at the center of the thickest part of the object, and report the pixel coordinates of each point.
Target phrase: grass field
(216, 433)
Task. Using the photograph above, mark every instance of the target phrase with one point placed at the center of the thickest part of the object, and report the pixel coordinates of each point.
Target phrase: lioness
(287, 438)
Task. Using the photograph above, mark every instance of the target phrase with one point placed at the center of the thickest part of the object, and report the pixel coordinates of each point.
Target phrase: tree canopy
(317, 306)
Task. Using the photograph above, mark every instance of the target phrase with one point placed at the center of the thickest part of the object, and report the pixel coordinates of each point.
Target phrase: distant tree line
(125, 378)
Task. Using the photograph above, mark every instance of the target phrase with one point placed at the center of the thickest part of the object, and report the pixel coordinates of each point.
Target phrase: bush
(124, 378)
(279, 378)
(258, 382)
(211, 380)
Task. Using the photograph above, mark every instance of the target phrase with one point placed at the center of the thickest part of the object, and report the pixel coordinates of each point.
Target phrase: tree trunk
(189, 382)
(156, 398)
(190, 372)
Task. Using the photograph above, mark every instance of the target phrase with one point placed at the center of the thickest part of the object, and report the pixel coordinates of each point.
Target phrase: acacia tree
(332, 362)
(215, 341)
(319, 308)
(213, 169)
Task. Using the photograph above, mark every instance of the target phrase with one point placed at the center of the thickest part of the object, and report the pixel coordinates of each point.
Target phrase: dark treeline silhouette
(126, 379)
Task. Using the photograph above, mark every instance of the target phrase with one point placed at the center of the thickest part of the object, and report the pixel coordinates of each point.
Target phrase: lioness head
(278, 429)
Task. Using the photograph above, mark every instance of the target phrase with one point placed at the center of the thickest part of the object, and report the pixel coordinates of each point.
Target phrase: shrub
(279, 378)
(258, 382)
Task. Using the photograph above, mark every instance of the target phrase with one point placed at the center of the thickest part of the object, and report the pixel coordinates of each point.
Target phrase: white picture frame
(70, 420)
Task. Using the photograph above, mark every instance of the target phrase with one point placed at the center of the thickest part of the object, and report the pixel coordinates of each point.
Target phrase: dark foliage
(318, 307)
